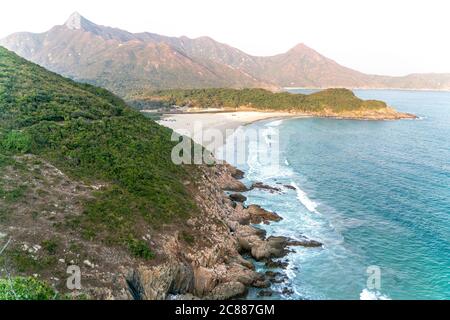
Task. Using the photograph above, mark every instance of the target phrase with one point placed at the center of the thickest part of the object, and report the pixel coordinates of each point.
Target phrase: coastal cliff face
(212, 267)
(198, 259)
(209, 266)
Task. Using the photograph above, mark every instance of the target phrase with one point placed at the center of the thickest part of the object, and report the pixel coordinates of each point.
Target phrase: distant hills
(130, 63)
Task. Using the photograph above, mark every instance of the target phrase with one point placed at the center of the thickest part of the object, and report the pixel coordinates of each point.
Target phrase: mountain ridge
(126, 62)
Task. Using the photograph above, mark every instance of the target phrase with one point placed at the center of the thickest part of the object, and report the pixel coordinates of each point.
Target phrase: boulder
(305, 242)
(260, 185)
(258, 214)
(261, 284)
(272, 247)
(277, 264)
(286, 291)
(265, 293)
(227, 290)
(238, 197)
(236, 173)
(204, 281)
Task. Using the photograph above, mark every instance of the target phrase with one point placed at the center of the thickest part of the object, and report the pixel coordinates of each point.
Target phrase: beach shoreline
(225, 122)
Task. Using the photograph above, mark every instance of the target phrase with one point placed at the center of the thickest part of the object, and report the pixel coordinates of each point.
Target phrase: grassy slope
(336, 100)
(93, 136)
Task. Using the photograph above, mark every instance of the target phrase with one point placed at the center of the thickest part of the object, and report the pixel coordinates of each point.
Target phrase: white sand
(226, 123)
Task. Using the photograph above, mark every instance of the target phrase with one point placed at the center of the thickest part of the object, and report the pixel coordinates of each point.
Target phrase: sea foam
(367, 294)
(304, 199)
(275, 123)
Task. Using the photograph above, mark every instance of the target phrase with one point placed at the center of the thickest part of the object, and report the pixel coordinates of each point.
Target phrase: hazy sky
(392, 37)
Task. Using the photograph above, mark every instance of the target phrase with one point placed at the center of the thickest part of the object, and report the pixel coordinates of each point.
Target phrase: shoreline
(244, 217)
(226, 122)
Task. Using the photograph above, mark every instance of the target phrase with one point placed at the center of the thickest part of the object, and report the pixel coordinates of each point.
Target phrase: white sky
(392, 37)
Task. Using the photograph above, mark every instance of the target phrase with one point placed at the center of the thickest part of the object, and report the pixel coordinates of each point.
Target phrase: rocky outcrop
(305, 242)
(238, 197)
(259, 215)
(262, 186)
(235, 172)
(206, 264)
(212, 268)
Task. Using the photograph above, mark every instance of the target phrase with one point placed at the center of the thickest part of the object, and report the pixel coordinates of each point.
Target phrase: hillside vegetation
(336, 100)
(93, 137)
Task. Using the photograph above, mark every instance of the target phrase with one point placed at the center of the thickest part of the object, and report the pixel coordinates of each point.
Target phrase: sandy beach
(225, 122)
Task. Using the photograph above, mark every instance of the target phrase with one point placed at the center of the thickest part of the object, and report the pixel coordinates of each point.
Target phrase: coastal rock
(288, 186)
(238, 197)
(156, 282)
(233, 185)
(260, 185)
(239, 215)
(305, 242)
(272, 247)
(259, 215)
(248, 237)
(226, 181)
(275, 277)
(261, 284)
(227, 291)
(235, 172)
(205, 281)
(286, 291)
(265, 293)
(276, 264)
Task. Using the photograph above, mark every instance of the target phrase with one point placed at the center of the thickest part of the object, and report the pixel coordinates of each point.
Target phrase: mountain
(130, 63)
(121, 61)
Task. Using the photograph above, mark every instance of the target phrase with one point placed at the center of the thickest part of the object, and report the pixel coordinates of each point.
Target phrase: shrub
(16, 141)
(20, 288)
(140, 249)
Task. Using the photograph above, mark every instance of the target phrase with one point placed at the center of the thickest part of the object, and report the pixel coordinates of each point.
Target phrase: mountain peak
(76, 22)
(301, 47)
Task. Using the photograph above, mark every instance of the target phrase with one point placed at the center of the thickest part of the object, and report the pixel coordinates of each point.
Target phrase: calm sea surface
(376, 193)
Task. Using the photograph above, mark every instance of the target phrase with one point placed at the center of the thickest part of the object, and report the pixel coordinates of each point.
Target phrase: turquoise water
(374, 192)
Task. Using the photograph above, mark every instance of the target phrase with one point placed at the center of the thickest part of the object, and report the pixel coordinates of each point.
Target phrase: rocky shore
(214, 267)
(201, 257)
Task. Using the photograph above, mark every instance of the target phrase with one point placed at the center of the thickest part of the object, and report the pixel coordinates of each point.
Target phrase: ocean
(375, 193)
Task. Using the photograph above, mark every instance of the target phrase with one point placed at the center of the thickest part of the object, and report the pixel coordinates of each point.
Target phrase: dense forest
(336, 100)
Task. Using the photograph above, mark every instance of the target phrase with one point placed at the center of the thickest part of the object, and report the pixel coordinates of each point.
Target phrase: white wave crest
(275, 123)
(304, 199)
(367, 294)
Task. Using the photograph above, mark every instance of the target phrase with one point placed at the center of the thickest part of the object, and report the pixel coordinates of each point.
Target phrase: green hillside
(92, 136)
(336, 100)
